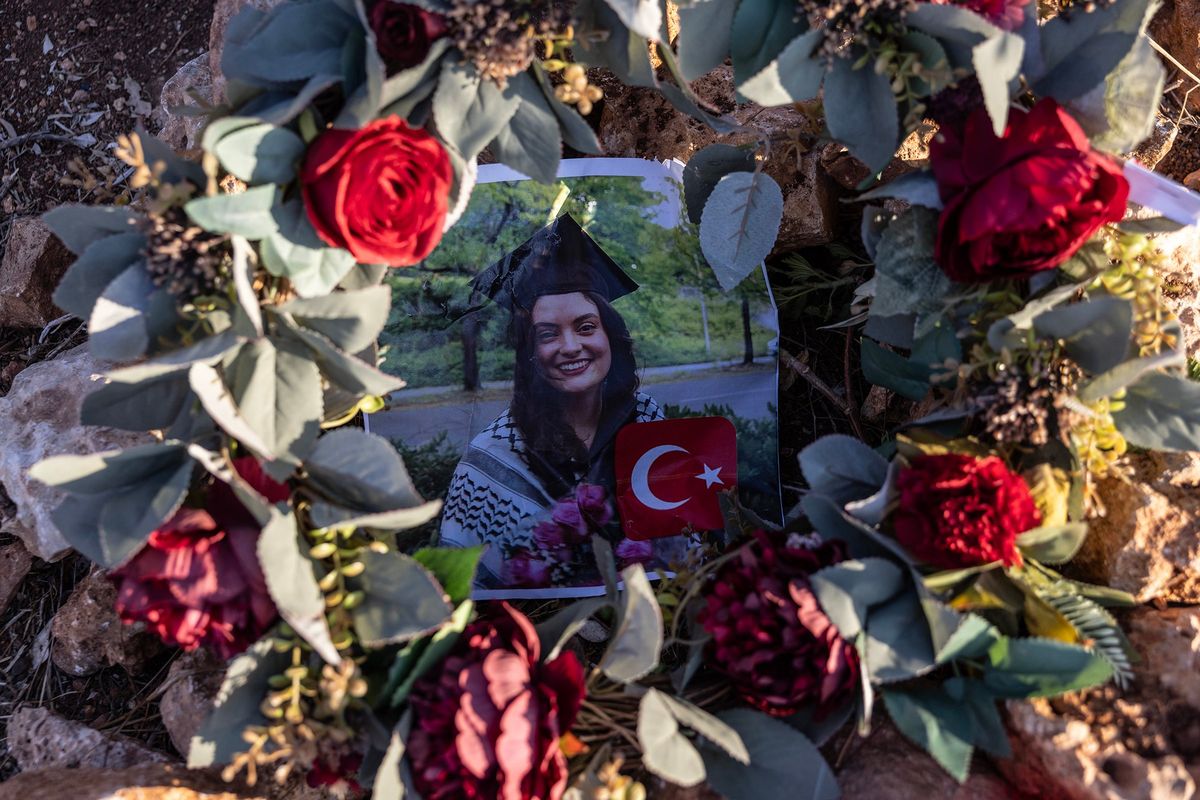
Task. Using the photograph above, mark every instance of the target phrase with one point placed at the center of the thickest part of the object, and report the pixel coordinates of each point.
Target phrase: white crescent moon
(641, 475)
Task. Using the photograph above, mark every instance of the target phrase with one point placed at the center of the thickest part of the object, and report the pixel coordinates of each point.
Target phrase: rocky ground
(93, 709)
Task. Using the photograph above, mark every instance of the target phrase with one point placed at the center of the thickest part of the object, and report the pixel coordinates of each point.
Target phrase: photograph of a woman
(575, 384)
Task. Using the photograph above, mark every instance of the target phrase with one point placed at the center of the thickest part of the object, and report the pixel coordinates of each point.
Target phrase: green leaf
(281, 107)
(997, 62)
(454, 568)
(245, 214)
(932, 59)
(973, 638)
(898, 642)
(402, 600)
(531, 142)
(1053, 544)
(278, 394)
(1094, 625)
(117, 328)
(863, 541)
(860, 111)
(101, 263)
(389, 778)
(643, 17)
(634, 648)
(350, 320)
(706, 167)
(556, 631)
(849, 589)
(783, 762)
(842, 468)
(665, 751)
(137, 406)
(761, 30)
(935, 722)
(419, 656)
(740, 224)
(294, 251)
(1080, 50)
(1119, 112)
(1162, 412)
(469, 110)
(604, 41)
(1149, 226)
(704, 36)
(794, 75)
(289, 43)
(893, 371)
(256, 152)
(916, 188)
(1095, 333)
(361, 470)
(292, 581)
(79, 227)
(908, 280)
(1042, 668)
(236, 705)
(716, 732)
(1129, 372)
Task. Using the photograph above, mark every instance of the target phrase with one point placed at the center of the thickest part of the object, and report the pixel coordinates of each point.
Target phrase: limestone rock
(1148, 542)
(192, 686)
(39, 417)
(177, 130)
(1176, 27)
(1155, 148)
(810, 197)
(1181, 281)
(87, 635)
(1142, 743)
(40, 739)
(34, 260)
(223, 12)
(145, 782)
(887, 765)
(15, 563)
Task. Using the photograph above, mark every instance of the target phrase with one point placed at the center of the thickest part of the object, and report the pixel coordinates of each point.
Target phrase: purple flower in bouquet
(629, 552)
(529, 569)
(593, 502)
(568, 516)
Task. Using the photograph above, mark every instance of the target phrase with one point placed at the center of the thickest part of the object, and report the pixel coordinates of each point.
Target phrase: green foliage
(1096, 334)
(740, 224)
(860, 111)
(100, 263)
(454, 568)
(907, 279)
(402, 600)
(236, 705)
(1161, 412)
(292, 581)
(638, 637)
(781, 761)
(420, 655)
(1094, 626)
(842, 468)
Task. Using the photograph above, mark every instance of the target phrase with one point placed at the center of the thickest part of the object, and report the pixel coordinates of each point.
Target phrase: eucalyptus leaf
(908, 278)
(236, 706)
(972, 640)
(761, 30)
(470, 110)
(604, 41)
(209, 387)
(258, 152)
(294, 251)
(704, 35)
(576, 132)
(278, 394)
(666, 752)
(997, 62)
(100, 264)
(555, 632)
(350, 320)
(860, 111)
(1120, 111)
(916, 188)
(1080, 50)
(794, 75)
(1024, 668)
(783, 762)
(936, 723)
(1053, 544)
(849, 589)
(402, 600)
(389, 781)
(898, 643)
(245, 214)
(289, 43)
(893, 371)
(842, 468)
(706, 167)
(634, 648)
(740, 224)
(1161, 412)
(643, 17)
(117, 328)
(292, 582)
(137, 406)
(79, 226)
(1095, 333)
(360, 470)
(531, 142)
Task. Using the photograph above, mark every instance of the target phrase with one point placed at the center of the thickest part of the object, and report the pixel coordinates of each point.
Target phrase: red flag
(669, 474)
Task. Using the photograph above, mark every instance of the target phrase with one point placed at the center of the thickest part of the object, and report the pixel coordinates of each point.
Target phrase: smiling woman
(575, 385)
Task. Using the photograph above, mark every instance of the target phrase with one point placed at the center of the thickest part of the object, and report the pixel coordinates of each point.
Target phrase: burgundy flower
(487, 724)
(629, 551)
(1022, 203)
(341, 778)
(198, 581)
(1006, 14)
(769, 634)
(404, 33)
(380, 192)
(528, 569)
(960, 511)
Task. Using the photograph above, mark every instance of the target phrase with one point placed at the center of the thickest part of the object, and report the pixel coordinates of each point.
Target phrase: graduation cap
(558, 259)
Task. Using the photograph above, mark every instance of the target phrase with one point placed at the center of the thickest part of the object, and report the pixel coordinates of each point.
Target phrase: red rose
(960, 511)
(404, 32)
(380, 192)
(198, 581)
(486, 724)
(1006, 14)
(1022, 203)
(769, 634)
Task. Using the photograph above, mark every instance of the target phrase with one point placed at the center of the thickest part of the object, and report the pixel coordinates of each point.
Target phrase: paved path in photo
(748, 393)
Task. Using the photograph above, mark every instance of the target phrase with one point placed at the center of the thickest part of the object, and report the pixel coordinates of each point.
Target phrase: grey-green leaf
(351, 320)
(245, 214)
(740, 224)
(860, 111)
(704, 35)
(531, 142)
(117, 329)
(469, 110)
(292, 582)
(665, 751)
(761, 30)
(79, 227)
(1096, 333)
(1162, 412)
(842, 468)
(278, 393)
(236, 705)
(99, 265)
(1053, 544)
(259, 152)
(783, 762)
(294, 251)
(908, 280)
(634, 649)
(402, 600)
(705, 168)
(794, 75)
(849, 589)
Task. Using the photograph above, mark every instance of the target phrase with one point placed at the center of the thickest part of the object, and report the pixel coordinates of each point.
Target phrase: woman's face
(570, 344)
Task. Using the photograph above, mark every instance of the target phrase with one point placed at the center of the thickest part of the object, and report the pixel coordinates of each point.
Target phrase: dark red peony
(380, 192)
(487, 724)
(960, 511)
(1022, 203)
(769, 634)
(1006, 14)
(404, 33)
(340, 778)
(197, 581)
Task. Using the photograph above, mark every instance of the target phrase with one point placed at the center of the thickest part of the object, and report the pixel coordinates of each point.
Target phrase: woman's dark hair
(538, 408)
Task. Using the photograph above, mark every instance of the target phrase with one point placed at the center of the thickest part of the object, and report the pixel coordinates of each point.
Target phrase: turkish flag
(669, 473)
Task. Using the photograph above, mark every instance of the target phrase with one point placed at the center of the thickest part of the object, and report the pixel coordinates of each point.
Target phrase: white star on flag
(710, 476)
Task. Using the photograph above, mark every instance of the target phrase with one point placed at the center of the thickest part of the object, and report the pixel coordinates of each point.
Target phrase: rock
(40, 739)
(1176, 27)
(145, 782)
(39, 417)
(15, 563)
(887, 766)
(34, 260)
(1155, 148)
(223, 12)
(1148, 542)
(191, 690)
(1142, 743)
(1181, 281)
(193, 78)
(810, 197)
(87, 635)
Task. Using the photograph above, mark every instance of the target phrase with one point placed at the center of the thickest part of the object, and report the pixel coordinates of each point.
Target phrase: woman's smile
(570, 343)
(575, 367)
